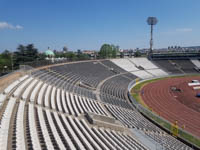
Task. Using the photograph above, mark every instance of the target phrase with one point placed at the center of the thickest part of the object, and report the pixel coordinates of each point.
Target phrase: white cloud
(6, 25)
(177, 31)
(184, 30)
(18, 27)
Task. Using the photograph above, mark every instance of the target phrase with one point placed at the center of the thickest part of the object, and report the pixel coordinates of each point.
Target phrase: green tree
(115, 50)
(83, 57)
(41, 56)
(105, 51)
(5, 61)
(31, 53)
(25, 54)
(109, 51)
(70, 56)
(137, 53)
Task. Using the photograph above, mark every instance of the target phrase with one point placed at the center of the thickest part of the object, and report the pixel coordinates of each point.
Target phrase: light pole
(151, 21)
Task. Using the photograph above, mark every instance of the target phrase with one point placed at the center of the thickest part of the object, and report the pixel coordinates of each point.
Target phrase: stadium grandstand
(85, 105)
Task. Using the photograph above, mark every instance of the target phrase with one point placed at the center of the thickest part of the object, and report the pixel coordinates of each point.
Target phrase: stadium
(99, 75)
(124, 103)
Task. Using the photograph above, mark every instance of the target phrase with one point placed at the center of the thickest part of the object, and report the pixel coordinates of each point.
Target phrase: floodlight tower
(151, 21)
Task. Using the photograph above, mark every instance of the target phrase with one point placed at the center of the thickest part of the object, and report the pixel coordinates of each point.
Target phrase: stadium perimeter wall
(9, 78)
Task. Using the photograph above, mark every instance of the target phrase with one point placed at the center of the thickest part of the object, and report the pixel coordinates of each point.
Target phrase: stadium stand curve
(47, 107)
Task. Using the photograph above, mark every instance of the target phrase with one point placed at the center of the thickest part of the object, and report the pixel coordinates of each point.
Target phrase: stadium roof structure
(175, 55)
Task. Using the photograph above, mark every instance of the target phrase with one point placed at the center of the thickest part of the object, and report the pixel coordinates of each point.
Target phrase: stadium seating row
(46, 108)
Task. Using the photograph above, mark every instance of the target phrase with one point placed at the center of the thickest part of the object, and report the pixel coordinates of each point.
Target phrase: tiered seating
(186, 65)
(49, 125)
(149, 67)
(114, 91)
(32, 128)
(41, 94)
(40, 131)
(21, 87)
(167, 141)
(47, 96)
(53, 98)
(143, 62)
(14, 84)
(20, 139)
(196, 62)
(168, 66)
(142, 74)
(55, 130)
(59, 100)
(131, 118)
(116, 86)
(113, 67)
(2, 99)
(130, 76)
(46, 131)
(115, 101)
(77, 105)
(5, 123)
(79, 135)
(68, 142)
(110, 64)
(116, 140)
(140, 67)
(47, 109)
(89, 72)
(35, 91)
(66, 82)
(125, 64)
(157, 72)
(28, 89)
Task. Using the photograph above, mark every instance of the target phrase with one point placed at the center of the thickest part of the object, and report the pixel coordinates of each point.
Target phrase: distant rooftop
(49, 53)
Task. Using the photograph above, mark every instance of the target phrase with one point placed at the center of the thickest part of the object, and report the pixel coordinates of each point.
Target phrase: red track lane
(172, 105)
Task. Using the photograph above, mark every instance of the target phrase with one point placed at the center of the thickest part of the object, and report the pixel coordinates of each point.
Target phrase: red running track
(183, 106)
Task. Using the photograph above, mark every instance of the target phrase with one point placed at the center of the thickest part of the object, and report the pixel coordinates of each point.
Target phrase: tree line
(11, 60)
(28, 53)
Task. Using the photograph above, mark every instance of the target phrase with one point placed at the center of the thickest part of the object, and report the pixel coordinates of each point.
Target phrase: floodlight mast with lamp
(151, 21)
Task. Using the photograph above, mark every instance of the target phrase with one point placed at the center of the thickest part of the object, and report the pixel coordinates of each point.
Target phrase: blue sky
(87, 24)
